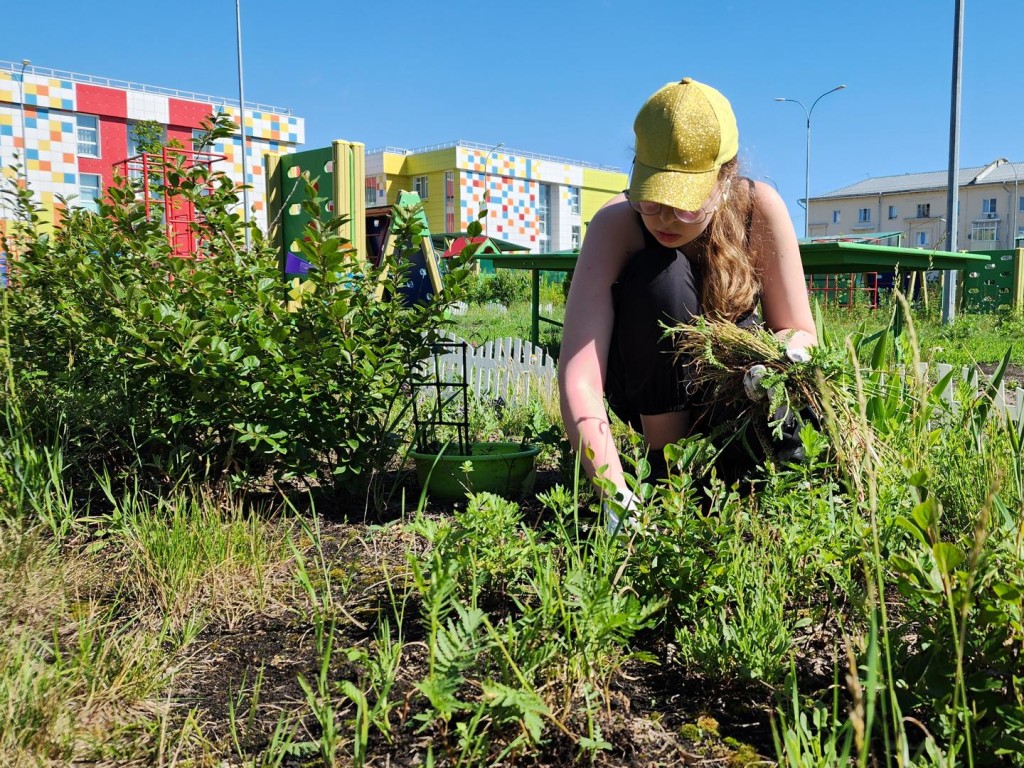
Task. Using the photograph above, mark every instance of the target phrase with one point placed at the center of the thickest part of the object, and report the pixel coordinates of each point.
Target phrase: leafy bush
(505, 286)
(211, 366)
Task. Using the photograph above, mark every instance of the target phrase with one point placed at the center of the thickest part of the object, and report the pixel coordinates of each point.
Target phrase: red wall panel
(97, 100)
(183, 117)
(187, 114)
(111, 105)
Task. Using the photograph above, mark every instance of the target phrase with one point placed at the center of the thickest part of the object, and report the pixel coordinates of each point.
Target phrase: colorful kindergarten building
(67, 132)
(539, 202)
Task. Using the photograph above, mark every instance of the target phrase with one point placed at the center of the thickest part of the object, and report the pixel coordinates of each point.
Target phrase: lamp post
(1016, 207)
(24, 138)
(807, 161)
(241, 107)
(1015, 204)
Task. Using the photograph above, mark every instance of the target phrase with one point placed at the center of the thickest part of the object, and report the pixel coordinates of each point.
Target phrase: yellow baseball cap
(685, 132)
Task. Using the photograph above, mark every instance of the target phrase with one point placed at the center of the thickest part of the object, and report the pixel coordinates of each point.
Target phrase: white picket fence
(512, 369)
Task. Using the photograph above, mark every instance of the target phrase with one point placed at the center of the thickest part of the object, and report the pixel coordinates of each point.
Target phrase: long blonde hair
(731, 281)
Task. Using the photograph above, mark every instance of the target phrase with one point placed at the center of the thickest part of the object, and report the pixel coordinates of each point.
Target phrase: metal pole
(807, 157)
(807, 181)
(953, 191)
(1014, 204)
(241, 106)
(1016, 207)
(24, 137)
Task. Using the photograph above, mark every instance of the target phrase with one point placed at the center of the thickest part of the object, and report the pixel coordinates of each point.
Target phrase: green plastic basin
(503, 468)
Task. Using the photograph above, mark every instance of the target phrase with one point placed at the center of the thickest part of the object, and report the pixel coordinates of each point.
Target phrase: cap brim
(678, 189)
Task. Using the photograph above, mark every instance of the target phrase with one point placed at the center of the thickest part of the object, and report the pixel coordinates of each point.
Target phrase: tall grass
(99, 609)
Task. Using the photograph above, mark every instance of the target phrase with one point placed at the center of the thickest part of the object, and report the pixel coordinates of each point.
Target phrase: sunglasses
(699, 216)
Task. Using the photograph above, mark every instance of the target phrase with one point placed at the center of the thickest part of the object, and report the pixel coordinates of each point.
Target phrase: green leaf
(1011, 593)
(926, 514)
(947, 556)
(913, 528)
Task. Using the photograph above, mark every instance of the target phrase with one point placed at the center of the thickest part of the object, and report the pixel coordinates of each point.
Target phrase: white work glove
(752, 378)
(786, 443)
(619, 512)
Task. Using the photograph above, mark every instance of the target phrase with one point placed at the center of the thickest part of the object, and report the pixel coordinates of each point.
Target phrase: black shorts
(659, 286)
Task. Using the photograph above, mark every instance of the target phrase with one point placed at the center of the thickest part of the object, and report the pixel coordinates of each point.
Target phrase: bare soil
(654, 707)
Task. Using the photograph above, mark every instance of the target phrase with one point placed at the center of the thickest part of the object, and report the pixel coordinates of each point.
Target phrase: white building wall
(970, 219)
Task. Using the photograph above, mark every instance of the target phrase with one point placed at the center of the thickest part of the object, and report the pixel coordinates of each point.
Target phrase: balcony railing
(107, 82)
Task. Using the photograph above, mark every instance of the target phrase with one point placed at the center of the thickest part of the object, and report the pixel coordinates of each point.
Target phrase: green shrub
(211, 366)
(505, 286)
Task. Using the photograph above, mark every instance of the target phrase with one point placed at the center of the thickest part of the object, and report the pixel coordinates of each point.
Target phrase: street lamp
(241, 107)
(24, 138)
(807, 163)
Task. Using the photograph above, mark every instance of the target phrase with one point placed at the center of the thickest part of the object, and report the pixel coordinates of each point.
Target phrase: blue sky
(566, 78)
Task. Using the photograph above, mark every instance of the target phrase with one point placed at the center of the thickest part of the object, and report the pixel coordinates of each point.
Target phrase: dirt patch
(651, 719)
(1013, 377)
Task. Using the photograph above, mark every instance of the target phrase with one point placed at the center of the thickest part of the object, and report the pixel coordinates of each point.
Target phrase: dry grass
(722, 353)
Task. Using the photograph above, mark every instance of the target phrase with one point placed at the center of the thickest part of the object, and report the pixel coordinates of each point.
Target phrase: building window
(574, 200)
(985, 232)
(1020, 204)
(924, 210)
(544, 218)
(370, 192)
(988, 205)
(145, 136)
(202, 145)
(892, 211)
(835, 217)
(421, 187)
(89, 191)
(88, 136)
(449, 201)
(574, 236)
(863, 215)
(922, 238)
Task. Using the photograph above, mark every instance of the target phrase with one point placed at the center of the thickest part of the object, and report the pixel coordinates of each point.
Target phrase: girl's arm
(784, 303)
(611, 237)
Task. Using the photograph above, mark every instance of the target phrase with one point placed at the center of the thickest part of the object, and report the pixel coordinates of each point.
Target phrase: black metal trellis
(428, 421)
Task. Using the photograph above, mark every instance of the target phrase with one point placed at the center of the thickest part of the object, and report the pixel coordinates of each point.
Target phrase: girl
(690, 237)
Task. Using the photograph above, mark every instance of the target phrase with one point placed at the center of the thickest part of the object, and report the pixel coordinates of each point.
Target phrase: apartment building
(990, 214)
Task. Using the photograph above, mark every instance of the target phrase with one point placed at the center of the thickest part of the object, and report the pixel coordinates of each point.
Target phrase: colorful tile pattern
(512, 187)
(51, 156)
(270, 126)
(232, 166)
(48, 92)
(50, 128)
(376, 190)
